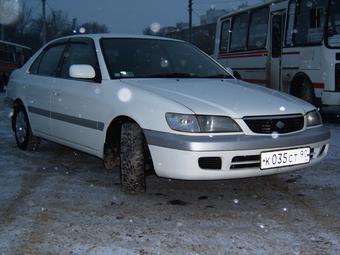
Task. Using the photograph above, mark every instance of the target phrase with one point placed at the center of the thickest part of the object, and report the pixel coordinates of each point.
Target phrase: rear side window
(225, 30)
(258, 29)
(239, 32)
(50, 60)
(79, 54)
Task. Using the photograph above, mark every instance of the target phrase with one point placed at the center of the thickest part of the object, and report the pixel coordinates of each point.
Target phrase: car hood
(227, 97)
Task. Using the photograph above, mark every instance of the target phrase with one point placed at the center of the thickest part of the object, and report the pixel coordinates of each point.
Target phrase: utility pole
(190, 21)
(74, 25)
(43, 34)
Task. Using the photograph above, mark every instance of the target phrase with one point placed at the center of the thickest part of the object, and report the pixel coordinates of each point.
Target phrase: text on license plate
(275, 159)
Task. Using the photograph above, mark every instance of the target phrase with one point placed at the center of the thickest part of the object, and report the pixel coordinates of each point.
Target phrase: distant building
(211, 16)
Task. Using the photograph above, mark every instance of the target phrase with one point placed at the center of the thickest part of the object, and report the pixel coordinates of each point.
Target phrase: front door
(277, 25)
(75, 103)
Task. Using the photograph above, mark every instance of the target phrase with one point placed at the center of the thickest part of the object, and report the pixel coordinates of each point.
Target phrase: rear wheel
(22, 130)
(132, 158)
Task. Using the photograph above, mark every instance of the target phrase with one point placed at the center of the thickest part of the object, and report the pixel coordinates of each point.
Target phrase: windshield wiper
(219, 76)
(172, 75)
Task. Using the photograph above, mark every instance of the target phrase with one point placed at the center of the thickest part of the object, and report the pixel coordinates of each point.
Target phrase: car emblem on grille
(280, 125)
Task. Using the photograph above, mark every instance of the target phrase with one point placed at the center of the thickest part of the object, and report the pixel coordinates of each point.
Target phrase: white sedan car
(134, 99)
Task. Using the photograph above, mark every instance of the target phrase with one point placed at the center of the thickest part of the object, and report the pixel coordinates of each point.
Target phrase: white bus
(291, 46)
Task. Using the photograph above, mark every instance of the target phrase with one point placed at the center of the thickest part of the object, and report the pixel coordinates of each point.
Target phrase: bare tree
(94, 27)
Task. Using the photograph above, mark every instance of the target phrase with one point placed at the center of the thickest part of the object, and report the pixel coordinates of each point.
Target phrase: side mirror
(82, 72)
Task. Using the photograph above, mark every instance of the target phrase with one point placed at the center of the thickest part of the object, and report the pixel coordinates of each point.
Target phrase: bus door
(276, 39)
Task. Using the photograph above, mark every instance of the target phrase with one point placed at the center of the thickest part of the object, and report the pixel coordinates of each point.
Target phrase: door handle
(56, 93)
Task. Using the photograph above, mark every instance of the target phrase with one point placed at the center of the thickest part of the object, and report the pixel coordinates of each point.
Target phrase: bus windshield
(333, 28)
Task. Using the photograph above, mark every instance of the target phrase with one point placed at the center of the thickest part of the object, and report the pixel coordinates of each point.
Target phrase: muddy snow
(60, 201)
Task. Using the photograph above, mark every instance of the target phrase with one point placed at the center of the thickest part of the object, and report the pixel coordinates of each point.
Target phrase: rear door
(38, 86)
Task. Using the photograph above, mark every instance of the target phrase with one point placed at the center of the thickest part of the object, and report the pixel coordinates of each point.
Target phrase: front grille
(210, 163)
(240, 162)
(337, 77)
(281, 124)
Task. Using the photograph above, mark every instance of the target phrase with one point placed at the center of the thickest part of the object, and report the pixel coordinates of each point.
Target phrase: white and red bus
(291, 46)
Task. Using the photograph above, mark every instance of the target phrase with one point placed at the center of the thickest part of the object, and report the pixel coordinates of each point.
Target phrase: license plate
(274, 159)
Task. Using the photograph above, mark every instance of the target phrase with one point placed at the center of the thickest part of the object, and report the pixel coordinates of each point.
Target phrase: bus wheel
(307, 91)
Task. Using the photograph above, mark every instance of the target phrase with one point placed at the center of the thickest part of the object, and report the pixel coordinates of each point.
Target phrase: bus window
(11, 52)
(3, 56)
(225, 30)
(258, 29)
(27, 54)
(310, 22)
(290, 24)
(239, 32)
(333, 26)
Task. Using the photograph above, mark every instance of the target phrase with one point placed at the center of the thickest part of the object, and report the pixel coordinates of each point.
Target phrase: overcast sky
(132, 16)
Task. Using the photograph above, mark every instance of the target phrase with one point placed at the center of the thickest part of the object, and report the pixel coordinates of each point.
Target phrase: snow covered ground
(60, 201)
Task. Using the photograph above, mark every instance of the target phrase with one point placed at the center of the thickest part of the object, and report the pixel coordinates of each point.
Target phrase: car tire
(132, 159)
(22, 130)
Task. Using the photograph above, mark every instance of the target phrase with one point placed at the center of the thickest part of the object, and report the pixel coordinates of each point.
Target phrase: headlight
(217, 124)
(313, 118)
(201, 123)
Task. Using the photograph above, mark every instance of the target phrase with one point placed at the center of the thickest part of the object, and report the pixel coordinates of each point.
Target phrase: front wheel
(22, 130)
(132, 158)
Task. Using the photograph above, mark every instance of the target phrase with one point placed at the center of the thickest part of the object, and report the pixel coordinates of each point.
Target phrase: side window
(239, 32)
(310, 20)
(225, 31)
(49, 62)
(79, 53)
(258, 29)
(35, 66)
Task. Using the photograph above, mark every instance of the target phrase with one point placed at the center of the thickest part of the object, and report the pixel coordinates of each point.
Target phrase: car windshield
(333, 29)
(155, 58)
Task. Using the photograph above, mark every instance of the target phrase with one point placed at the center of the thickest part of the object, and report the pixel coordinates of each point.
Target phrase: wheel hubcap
(21, 127)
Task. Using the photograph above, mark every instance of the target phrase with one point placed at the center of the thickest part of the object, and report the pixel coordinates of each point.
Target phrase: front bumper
(177, 156)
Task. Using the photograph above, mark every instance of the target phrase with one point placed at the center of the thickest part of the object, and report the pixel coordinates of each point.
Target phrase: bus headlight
(201, 123)
(313, 118)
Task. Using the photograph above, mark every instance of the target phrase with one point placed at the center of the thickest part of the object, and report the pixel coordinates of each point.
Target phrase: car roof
(100, 36)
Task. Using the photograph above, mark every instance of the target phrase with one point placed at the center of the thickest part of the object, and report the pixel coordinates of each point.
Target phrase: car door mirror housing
(82, 72)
